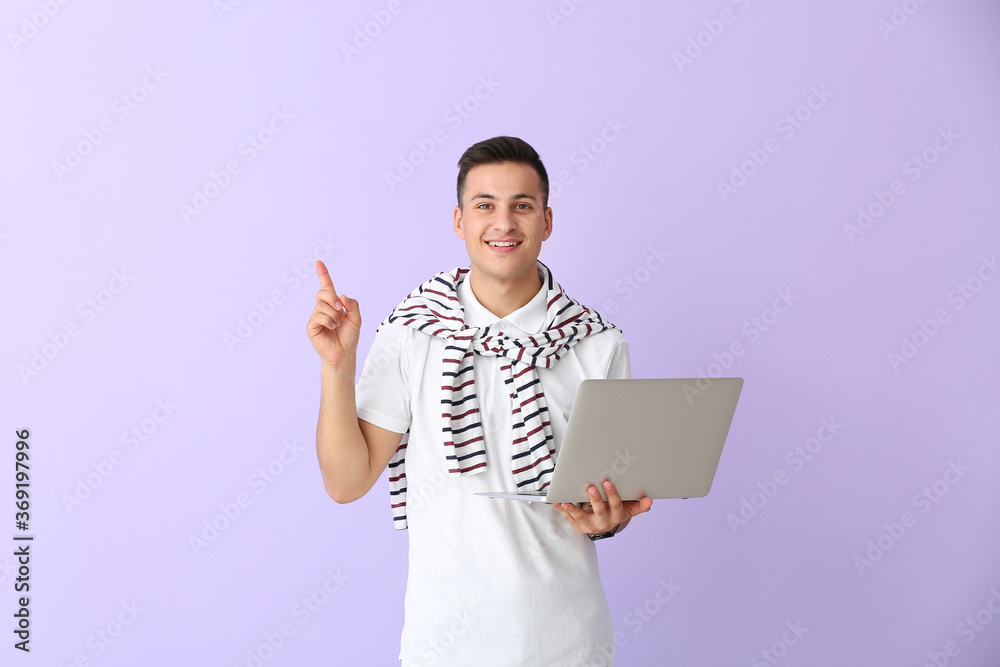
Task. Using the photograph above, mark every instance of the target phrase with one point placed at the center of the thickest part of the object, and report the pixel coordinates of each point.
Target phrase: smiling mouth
(503, 244)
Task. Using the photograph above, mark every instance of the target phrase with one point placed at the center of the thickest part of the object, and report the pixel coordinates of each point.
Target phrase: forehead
(503, 180)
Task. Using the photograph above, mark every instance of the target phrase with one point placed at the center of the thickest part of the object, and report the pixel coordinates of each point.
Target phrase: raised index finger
(324, 277)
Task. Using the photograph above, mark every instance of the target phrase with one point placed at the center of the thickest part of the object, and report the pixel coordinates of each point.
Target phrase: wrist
(347, 368)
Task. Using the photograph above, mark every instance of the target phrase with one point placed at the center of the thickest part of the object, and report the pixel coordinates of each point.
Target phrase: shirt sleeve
(620, 365)
(382, 394)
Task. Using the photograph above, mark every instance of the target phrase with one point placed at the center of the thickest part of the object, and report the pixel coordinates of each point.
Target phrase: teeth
(503, 243)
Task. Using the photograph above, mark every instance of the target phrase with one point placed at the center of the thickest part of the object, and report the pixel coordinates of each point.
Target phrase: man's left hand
(599, 516)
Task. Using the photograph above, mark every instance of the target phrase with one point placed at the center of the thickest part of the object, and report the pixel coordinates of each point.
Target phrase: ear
(548, 224)
(459, 229)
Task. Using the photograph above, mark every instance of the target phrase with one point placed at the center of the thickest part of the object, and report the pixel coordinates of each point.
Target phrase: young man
(483, 366)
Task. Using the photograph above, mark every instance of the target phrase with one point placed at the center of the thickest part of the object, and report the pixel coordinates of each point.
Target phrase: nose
(504, 220)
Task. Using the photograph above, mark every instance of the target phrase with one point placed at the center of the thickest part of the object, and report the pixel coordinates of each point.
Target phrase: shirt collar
(529, 318)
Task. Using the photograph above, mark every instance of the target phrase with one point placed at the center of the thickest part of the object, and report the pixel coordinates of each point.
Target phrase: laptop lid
(656, 437)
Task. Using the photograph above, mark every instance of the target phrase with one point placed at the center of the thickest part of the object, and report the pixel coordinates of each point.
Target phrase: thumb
(351, 308)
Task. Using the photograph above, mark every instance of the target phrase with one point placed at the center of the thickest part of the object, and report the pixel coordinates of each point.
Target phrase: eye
(524, 206)
(483, 205)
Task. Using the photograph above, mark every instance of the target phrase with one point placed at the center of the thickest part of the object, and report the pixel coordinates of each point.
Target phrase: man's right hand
(335, 325)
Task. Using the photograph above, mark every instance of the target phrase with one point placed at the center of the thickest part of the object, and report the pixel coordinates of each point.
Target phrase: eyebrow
(520, 195)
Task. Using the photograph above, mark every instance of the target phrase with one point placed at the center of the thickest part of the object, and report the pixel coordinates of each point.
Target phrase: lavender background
(642, 109)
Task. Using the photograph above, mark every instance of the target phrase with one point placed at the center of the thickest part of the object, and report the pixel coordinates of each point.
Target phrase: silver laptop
(660, 438)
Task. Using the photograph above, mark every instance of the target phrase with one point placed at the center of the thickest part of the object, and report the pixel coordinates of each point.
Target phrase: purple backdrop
(799, 194)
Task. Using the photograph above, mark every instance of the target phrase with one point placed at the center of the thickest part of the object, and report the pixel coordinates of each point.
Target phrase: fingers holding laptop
(601, 516)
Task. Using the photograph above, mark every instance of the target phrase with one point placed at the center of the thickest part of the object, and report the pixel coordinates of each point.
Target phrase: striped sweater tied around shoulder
(433, 308)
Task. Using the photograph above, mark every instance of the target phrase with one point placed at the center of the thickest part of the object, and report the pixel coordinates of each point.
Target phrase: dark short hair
(502, 149)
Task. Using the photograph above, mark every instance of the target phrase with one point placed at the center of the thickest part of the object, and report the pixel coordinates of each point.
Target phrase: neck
(503, 297)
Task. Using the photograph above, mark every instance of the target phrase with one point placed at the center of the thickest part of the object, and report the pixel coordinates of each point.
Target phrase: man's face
(502, 205)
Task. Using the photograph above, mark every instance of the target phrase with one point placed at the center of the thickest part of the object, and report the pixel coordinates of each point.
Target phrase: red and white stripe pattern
(433, 308)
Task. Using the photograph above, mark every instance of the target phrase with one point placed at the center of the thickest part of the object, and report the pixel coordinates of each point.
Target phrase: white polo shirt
(491, 582)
